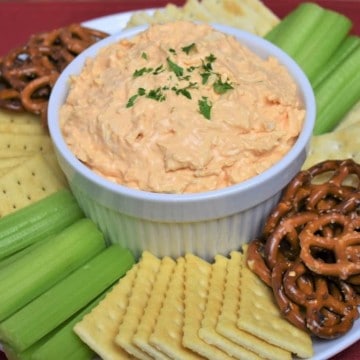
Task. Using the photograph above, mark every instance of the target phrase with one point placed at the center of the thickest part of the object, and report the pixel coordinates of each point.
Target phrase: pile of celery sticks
(320, 41)
(55, 266)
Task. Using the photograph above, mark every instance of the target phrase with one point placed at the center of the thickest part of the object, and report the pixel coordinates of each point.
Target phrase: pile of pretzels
(28, 73)
(309, 249)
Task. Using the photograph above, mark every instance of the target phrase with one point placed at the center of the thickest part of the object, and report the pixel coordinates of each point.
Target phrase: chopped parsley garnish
(141, 72)
(205, 107)
(205, 77)
(175, 68)
(207, 64)
(185, 91)
(187, 49)
(221, 87)
(156, 94)
(159, 70)
(184, 77)
(131, 101)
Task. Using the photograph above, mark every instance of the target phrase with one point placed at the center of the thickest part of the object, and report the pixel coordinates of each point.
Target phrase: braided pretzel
(344, 246)
(325, 307)
(255, 261)
(28, 73)
(283, 244)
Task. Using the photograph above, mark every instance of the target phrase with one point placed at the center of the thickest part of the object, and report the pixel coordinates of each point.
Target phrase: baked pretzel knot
(28, 73)
(309, 250)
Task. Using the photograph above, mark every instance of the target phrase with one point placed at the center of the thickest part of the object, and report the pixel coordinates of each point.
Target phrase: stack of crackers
(249, 15)
(28, 167)
(191, 309)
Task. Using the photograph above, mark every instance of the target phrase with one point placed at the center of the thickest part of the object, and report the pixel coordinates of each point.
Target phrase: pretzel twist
(28, 73)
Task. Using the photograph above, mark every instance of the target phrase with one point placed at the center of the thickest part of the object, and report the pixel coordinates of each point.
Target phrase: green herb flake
(207, 64)
(175, 68)
(187, 49)
(144, 55)
(205, 77)
(205, 107)
(131, 101)
(156, 94)
(173, 51)
(159, 70)
(221, 87)
(141, 72)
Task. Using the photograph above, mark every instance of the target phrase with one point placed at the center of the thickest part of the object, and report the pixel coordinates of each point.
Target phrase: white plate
(323, 350)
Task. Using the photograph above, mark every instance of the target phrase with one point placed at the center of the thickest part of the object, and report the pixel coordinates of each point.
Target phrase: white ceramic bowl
(204, 223)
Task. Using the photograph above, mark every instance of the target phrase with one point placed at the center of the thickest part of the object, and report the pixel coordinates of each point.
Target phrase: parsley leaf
(205, 77)
(221, 87)
(131, 101)
(141, 72)
(178, 70)
(144, 55)
(187, 49)
(156, 94)
(205, 107)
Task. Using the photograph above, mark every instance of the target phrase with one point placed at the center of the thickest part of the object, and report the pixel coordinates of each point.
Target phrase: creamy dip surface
(181, 108)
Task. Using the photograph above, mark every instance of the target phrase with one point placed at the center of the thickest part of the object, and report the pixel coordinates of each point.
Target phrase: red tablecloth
(19, 19)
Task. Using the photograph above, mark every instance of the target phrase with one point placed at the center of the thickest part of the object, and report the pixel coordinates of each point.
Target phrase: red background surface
(21, 18)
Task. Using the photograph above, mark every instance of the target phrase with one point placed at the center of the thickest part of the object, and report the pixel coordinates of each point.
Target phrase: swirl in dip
(181, 108)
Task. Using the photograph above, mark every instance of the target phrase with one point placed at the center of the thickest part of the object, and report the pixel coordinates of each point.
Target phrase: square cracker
(31, 181)
(259, 315)
(168, 331)
(152, 310)
(227, 322)
(99, 328)
(12, 145)
(207, 331)
(11, 117)
(148, 268)
(197, 279)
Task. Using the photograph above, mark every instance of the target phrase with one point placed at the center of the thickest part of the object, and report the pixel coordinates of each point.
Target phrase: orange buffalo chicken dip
(181, 108)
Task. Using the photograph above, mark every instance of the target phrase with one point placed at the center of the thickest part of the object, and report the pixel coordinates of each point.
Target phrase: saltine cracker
(148, 268)
(152, 310)
(168, 331)
(207, 331)
(197, 278)
(99, 327)
(227, 323)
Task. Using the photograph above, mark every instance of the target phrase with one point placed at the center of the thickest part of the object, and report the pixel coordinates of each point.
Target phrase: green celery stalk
(293, 31)
(52, 308)
(331, 29)
(337, 93)
(37, 221)
(346, 48)
(38, 270)
(341, 103)
(61, 343)
(18, 255)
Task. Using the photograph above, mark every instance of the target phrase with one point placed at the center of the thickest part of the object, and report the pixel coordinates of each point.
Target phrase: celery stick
(330, 31)
(346, 48)
(51, 261)
(341, 103)
(332, 101)
(32, 322)
(60, 344)
(18, 255)
(37, 221)
(294, 30)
